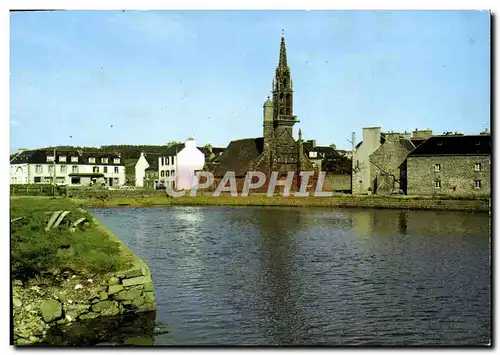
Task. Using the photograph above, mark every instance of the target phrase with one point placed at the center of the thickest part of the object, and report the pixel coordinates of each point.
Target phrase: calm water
(280, 276)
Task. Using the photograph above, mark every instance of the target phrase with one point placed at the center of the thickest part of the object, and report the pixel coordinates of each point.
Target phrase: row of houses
(420, 163)
(67, 167)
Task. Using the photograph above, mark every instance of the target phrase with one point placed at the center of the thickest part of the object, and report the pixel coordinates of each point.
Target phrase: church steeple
(283, 91)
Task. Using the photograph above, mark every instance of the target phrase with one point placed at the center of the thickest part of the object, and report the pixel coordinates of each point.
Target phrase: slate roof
(39, 156)
(237, 156)
(382, 140)
(215, 150)
(173, 150)
(454, 145)
(152, 159)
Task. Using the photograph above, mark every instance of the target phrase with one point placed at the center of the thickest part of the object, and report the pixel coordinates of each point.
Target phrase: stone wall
(457, 175)
(64, 296)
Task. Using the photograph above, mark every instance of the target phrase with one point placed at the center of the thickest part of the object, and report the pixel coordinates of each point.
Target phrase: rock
(135, 281)
(103, 296)
(138, 302)
(22, 341)
(114, 289)
(138, 287)
(148, 286)
(149, 297)
(17, 302)
(146, 307)
(111, 311)
(69, 318)
(90, 280)
(113, 281)
(78, 286)
(51, 310)
(90, 315)
(134, 272)
(17, 283)
(101, 306)
(128, 295)
(95, 300)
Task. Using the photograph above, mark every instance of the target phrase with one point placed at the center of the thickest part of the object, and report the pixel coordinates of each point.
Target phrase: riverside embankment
(139, 198)
(59, 276)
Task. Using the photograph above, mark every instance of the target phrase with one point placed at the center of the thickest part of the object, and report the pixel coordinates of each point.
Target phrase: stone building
(379, 164)
(451, 165)
(277, 150)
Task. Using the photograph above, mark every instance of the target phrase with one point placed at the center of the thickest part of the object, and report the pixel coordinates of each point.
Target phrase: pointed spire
(300, 134)
(282, 63)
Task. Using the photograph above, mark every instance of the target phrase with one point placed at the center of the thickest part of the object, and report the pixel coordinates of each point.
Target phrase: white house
(72, 167)
(146, 168)
(178, 165)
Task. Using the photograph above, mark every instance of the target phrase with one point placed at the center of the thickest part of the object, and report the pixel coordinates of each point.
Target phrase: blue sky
(150, 77)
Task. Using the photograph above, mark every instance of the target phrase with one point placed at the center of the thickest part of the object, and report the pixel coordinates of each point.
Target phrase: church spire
(282, 65)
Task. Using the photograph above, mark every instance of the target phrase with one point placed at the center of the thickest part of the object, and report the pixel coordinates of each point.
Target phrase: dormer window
(104, 160)
(50, 158)
(92, 160)
(74, 159)
(313, 154)
(116, 160)
(62, 159)
(478, 143)
(440, 142)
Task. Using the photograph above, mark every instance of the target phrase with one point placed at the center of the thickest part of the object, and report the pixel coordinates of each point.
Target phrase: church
(276, 150)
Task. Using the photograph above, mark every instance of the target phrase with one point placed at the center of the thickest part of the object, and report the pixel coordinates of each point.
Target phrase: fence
(37, 190)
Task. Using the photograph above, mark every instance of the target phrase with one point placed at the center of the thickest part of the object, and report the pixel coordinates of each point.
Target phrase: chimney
(312, 142)
(485, 132)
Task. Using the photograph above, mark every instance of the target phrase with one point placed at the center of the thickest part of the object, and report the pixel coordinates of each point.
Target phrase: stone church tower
(280, 150)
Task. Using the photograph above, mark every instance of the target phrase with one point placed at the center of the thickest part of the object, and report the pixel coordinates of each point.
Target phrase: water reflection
(134, 329)
(269, 276)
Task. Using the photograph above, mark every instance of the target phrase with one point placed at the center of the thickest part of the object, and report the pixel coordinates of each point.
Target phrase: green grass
(35, 251)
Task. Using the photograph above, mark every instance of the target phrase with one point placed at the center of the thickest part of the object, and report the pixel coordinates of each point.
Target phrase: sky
(92, 78)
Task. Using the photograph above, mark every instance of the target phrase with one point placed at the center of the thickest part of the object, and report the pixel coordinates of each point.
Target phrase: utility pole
(353, 147)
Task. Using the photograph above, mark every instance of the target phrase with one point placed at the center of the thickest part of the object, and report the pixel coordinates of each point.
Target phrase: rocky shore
(50, 300)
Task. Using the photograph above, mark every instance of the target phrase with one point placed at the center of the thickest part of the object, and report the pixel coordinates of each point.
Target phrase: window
(168, 160)
(62, 159)
(437, 167)
(162, 173)
(51, 169)
(104, 160)
(38, 179)
(477, 184)
(74, 169)
(74, 159)
(116, 170)
(171, 173)
(440, 142)
(478, 143)
(116, 160)
(105, 169)
(116, 181)
(62, 169)
(172, 162)
(92, 160)
(50, 158)
(162, 161)
(477, 167)
(168, 173)
(95, 169)
(75, 181)
(38, 169)
(437, 184)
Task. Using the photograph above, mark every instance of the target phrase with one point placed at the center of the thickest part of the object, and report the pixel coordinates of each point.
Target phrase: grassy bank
(396, 202)
(36, 251)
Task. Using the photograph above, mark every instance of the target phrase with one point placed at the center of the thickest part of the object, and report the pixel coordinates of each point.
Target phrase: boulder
(128, 295)
(113, 281)
(134, 272)
(17, 302)
(101, 306)
(51, 310)
(114, 289)
(135, 281)
(148, 286)
(103, 296)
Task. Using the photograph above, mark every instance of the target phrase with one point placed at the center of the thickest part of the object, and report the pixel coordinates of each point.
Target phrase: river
(290, 276)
